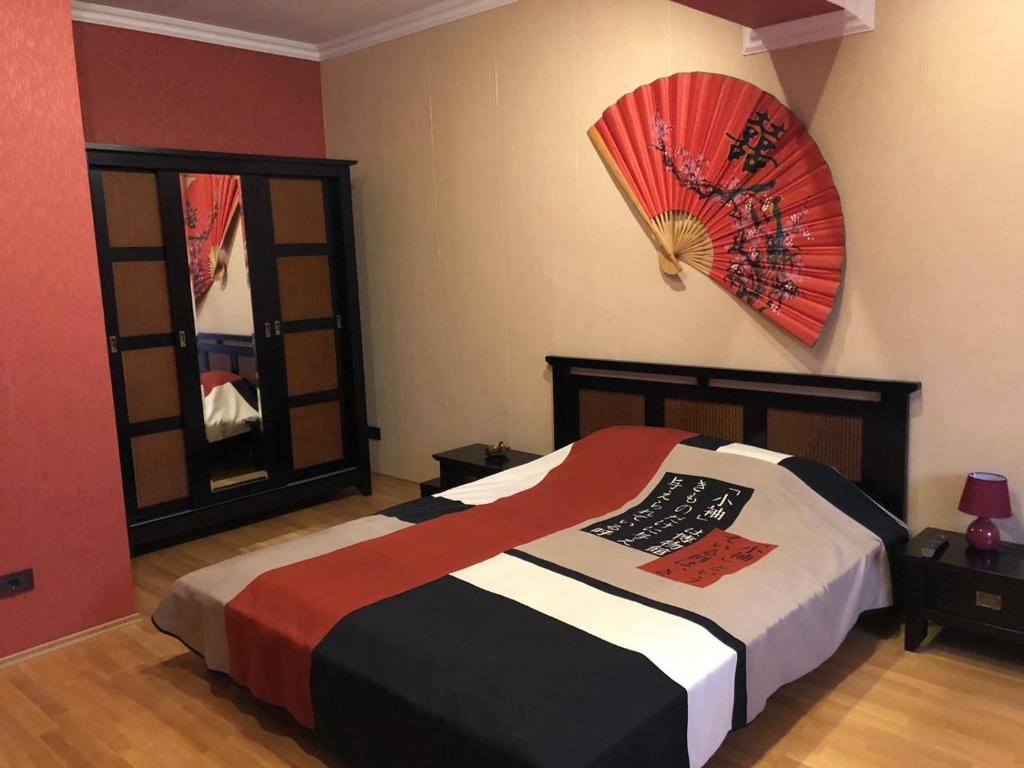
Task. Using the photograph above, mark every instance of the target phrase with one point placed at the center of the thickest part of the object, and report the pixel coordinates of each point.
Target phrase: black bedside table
(468, 463)
(964, 588)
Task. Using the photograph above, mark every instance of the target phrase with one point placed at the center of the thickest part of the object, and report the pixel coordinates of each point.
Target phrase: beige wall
(490, 234)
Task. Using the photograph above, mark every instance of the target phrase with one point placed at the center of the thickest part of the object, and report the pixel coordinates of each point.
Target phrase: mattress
(624, 601)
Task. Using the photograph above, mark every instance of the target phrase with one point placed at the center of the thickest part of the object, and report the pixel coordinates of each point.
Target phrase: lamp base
(983, 534)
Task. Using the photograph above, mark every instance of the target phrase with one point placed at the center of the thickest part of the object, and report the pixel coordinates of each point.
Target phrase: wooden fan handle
(669, 265)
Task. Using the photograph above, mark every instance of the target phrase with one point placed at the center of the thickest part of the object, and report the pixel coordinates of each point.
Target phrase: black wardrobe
(232, 320)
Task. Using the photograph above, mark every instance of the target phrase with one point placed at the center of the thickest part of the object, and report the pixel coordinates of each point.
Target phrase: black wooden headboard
(859, 426)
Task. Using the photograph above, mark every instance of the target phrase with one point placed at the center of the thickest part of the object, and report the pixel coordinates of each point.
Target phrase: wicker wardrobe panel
(316, 434)
(140, 294)
(310, 362)
(304, 283)
(297, 207)
(133, 210)
(151, 384)
(161, 471)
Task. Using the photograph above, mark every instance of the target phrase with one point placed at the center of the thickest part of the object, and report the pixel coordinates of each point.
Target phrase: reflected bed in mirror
(222, 310)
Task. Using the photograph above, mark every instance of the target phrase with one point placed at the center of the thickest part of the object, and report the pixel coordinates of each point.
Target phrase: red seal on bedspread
(729, 181)
(716, 555)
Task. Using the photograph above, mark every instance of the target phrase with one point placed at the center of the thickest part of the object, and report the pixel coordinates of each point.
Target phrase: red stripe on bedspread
(274, 624)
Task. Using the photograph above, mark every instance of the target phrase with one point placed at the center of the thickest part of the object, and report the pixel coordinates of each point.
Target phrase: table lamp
(985, 496)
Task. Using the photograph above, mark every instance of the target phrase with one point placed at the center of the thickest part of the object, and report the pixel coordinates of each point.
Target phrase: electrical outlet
(12, 584)
(373, 433)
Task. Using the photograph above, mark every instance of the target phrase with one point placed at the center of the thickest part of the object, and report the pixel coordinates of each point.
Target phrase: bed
(626, 600)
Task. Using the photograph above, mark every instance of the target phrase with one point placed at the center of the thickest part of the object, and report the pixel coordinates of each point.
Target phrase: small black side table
(965, 588)
(468, 463)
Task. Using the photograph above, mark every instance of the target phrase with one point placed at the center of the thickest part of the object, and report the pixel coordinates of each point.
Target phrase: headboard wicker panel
(724, 420)
(829, 438)
(859, 426)
(600, 409)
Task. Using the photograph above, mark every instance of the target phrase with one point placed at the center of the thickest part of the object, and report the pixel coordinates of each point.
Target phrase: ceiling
(314, 29)
(758, 13)
(322, 29)
(308, 21)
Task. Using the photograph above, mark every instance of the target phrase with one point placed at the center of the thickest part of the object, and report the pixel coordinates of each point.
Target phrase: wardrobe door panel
(133, 210)
(161, 474)
(305, 286)
(303, 264)
(144, 339)
(298, 211)
(310, 362)
(229, 426)
(150, 384)
(316, 434)
(140, 289)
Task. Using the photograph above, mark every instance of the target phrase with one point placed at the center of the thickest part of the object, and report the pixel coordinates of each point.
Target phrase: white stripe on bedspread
(494, 487)
(753, 452)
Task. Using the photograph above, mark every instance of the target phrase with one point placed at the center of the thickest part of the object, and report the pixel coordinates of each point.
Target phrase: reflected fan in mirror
(209, 204)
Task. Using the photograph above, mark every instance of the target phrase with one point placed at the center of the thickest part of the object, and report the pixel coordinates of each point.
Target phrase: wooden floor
(133, 697)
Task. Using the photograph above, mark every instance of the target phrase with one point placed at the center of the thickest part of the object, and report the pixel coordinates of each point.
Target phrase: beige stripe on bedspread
(193, 609)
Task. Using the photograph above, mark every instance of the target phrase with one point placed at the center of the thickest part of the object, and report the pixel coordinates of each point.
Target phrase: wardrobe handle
(112, 341)
(337, 321)
(277, 327)
(182, 339)
(266, 328)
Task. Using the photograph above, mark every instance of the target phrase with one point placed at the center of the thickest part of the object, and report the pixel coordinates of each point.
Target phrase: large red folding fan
(729, 181)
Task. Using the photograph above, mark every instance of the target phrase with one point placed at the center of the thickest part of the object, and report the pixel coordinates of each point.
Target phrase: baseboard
(62, 642)
(397, 479)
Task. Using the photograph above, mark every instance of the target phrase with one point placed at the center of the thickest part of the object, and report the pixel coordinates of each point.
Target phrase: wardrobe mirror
(222, 308)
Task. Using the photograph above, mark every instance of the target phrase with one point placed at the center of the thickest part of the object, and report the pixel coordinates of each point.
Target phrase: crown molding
(94, 13)
(858, 16)
(434, 16)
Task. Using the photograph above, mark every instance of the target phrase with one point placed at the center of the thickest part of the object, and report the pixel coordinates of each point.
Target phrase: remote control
(935, 546)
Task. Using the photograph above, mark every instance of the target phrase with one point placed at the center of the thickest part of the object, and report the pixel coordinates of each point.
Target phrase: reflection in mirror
(222, 307)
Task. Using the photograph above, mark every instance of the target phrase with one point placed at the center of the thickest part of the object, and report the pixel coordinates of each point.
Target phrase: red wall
(61, 510)
(154, 91)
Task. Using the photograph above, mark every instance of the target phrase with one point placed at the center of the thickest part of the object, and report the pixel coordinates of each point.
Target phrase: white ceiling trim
(94, 13)
(434, 16)
(442, 13)
(858, 16)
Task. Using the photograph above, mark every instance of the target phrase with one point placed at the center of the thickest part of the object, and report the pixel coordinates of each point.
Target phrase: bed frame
(859, 426)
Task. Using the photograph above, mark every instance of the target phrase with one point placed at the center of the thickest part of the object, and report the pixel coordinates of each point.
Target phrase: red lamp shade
(985, 495)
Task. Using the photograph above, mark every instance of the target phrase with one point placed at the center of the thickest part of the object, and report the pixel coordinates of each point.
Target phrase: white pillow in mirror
(227, 413)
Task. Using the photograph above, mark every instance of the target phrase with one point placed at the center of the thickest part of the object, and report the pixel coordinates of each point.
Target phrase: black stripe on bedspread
(739, 702)
(427, 508)
(453, 676)
(844, 495)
